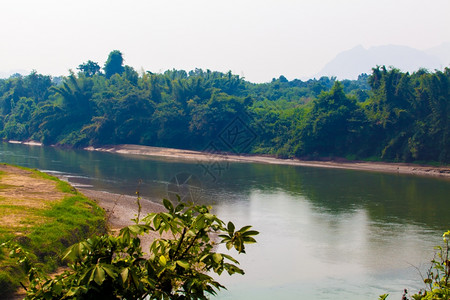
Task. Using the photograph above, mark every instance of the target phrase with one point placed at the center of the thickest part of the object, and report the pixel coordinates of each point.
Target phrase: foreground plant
(437, 281)
(177, 265)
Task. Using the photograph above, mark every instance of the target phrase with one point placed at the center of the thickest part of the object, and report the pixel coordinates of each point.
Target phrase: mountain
(442, 52)
(351, 63)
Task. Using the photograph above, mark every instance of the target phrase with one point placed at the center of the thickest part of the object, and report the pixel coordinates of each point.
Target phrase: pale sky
(259, 40)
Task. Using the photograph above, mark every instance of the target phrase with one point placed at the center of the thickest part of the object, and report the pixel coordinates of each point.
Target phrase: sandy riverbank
(401, 168)
(30, 143)
(120, 209)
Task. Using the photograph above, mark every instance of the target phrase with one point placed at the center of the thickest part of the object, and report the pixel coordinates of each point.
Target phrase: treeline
(387, 115)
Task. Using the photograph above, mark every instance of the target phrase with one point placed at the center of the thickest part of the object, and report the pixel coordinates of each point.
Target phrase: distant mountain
(442, 52)
(351, 63)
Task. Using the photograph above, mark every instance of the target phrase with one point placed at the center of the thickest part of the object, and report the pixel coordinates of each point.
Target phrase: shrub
(177, 265)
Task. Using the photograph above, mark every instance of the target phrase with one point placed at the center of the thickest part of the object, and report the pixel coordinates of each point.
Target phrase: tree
(61, 120)
(332, 124)
(76, 95)
(89, 68)
(114, 64)
(410, 114)
(130, 74)
(177, 267)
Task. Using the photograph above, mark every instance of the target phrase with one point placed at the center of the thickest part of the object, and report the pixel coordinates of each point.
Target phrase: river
(324, 233)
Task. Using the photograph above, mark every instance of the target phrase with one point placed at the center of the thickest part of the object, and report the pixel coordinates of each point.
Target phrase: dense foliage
(387, 115)
(177, 265)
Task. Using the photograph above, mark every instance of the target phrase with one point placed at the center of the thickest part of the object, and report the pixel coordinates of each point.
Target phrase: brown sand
(120, 209)
(401, 168)
(22, 193)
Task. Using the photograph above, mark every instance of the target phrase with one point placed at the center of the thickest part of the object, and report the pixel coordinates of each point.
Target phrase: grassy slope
(44, 215)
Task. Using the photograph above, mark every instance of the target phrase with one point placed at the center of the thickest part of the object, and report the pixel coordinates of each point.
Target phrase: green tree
(390, 110)
(76, 94)
(332, 125)
(409, 114)
(114, 64)
(61, 119)
(434, 92)
(89, 68)
(209, 118)
(16, 124)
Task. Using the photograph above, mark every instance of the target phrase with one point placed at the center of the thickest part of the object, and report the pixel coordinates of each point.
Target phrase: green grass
(61, 185)
(70, 220)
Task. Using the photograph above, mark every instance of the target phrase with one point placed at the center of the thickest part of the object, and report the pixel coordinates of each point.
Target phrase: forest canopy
(387, 115)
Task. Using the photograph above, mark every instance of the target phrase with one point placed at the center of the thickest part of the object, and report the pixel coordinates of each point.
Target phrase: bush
(177, 265)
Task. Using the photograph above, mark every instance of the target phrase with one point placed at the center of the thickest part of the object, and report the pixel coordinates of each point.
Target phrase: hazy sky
(255, 39)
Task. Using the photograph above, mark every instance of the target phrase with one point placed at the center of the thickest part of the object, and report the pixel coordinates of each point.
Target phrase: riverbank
(44, 215)
(400, 168)
(121, 209)
(384, 167)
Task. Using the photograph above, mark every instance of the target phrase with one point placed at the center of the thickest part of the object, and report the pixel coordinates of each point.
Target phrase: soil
(21, 193)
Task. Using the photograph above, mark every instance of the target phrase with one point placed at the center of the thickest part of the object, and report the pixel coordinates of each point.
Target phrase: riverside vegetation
(107, 266)
(44, 216)
(387, 115)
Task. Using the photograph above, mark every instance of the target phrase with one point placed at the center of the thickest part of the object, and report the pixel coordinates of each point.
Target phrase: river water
(324, 233)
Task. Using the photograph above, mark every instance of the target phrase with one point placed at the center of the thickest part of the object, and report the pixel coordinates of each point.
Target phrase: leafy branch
(116, 267)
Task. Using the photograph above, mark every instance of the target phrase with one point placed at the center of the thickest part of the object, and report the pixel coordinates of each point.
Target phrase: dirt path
(22, 193)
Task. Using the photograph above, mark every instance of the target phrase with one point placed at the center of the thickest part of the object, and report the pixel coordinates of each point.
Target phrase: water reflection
(304, 251)
(325, 234)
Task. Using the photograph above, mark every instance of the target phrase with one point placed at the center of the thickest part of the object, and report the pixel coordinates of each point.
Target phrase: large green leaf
(168, 205)
(162, 260)
(217, 257)
(184, 264)
(124, 275)
(98, 275)
(230, 228)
